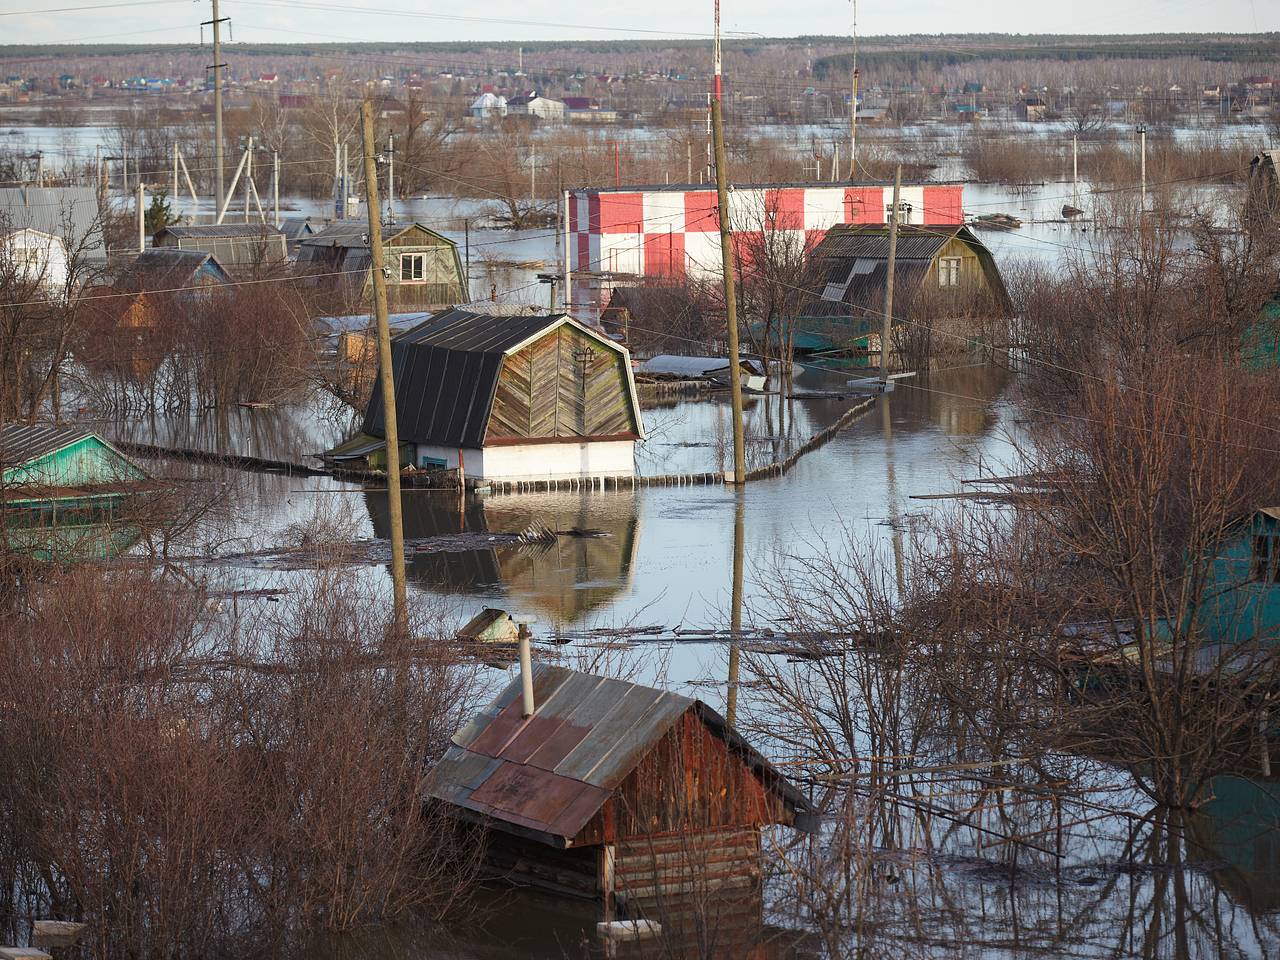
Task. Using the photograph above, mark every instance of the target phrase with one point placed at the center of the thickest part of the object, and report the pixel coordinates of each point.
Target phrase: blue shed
(1241, 601)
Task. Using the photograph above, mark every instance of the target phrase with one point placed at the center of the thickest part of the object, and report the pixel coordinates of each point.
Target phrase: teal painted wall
(1236, 608)
(87, 462)
(1260, 344)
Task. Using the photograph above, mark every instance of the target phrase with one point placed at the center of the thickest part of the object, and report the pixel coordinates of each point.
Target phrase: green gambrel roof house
(42, 463)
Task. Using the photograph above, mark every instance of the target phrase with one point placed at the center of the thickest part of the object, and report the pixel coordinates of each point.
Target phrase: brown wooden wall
(562, 386)
(688, 782)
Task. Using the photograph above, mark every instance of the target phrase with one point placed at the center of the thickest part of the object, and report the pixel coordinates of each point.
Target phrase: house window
(904, 212)
(949, 271)
(1266, 559)
(413, 267)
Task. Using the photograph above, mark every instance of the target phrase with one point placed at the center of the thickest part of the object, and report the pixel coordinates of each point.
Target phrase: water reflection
(586, 567)
(1240, 829)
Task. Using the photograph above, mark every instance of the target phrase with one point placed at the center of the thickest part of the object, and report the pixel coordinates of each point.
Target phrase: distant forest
(904, 50)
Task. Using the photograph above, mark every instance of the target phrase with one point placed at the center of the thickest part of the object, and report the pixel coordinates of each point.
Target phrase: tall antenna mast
(853, 103)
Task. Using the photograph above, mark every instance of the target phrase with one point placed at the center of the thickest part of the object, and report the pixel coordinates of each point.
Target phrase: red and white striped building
(673, 230)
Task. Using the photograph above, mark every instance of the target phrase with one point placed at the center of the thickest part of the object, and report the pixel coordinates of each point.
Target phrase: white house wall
(41, 256)
(538, 461)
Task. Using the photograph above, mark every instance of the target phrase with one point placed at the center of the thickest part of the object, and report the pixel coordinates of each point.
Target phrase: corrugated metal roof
(56, 211)
(851, 268)
(205, 231)
(446, 370)
(551, 772)
(355, 233)
(20, 442)
(873, 243)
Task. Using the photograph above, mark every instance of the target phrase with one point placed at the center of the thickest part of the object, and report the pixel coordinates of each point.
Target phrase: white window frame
(418, 260)
(949, 271)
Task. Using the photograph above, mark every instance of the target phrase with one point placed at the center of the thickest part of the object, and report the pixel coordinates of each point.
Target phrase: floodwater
(1209, 887)
(663, 557)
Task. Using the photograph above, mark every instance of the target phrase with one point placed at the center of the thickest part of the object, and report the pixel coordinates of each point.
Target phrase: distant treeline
(934, 50)
(918, 52)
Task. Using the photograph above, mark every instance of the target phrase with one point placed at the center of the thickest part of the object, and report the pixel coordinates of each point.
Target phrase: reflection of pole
(891, 492)
(384, 365)
(735, 610)
(885, 326)
(726, 260)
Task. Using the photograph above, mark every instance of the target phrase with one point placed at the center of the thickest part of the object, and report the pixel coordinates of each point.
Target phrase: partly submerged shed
(941, 272)
(61, 489)
(237, 246)
(424, 270)
(604, 776)
(512, 397)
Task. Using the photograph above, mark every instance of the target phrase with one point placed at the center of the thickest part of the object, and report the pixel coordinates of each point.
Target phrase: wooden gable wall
(688, 783)
(562, 386)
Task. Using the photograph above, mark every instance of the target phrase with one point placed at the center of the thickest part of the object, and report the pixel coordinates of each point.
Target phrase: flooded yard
(997, 862)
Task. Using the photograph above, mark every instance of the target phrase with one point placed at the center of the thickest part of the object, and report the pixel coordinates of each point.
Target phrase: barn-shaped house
(424, 270)
(607, 780)
(511, 398)
(940, 271)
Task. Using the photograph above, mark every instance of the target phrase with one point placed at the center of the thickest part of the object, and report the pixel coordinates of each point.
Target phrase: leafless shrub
(181, 781)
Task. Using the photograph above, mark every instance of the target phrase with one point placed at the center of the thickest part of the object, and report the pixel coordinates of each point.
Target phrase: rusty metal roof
(548, 774)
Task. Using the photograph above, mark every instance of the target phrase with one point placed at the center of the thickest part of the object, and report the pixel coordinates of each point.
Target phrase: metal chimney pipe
(526, 666)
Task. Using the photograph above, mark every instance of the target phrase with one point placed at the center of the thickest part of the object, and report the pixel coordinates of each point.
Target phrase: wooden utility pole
(217, 68)
(853, 104)
(886, 325)
(384, 367)
(726, 258)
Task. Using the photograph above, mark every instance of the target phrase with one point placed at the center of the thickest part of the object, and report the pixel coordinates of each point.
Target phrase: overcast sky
(176, 21)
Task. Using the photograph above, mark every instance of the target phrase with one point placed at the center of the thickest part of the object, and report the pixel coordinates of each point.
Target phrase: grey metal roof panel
(70, 213)
(873, 243)
(204, 231)
(622, 736)
(20, 442)
(446, 371)
(166, 268)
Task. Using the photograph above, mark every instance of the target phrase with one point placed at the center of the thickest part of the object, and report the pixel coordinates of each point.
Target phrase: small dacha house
(424, 271)
(508, 398)
(613, 790)
(943, 274)
(60, 487)
(238, 247)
